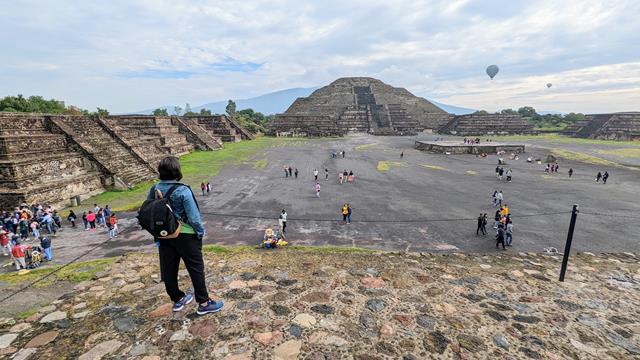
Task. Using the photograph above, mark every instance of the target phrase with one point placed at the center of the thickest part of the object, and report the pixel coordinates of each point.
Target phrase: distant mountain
(457, 110)
(550, 112)
(277, 102)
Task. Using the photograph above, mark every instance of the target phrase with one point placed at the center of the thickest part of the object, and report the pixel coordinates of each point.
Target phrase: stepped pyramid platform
(614, 126)
(492, 124)
(359, 104)
(39, 164)
(458, 147)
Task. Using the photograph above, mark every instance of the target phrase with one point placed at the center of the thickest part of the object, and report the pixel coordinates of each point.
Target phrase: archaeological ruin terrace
(55, 158)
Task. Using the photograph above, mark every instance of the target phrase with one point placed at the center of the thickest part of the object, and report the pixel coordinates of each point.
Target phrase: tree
(231, 109)
(101, 112)
(205, 112)
(508, 112)
(160, 112)
(34, 104)
(480, 112)
(177, 110)
(527, 112)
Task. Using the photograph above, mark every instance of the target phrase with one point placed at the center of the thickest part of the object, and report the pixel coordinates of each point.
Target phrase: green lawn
(197, 167)
(75, 273)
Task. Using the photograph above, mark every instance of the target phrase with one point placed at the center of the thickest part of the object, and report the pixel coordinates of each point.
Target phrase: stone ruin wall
(492, 124)
(53, 158)
(614, 126)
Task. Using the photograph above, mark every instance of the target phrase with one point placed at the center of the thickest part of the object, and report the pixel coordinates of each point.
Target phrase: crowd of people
(500, 173)
(97, 218)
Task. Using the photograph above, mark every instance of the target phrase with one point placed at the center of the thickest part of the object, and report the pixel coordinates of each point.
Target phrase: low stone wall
(456, 149)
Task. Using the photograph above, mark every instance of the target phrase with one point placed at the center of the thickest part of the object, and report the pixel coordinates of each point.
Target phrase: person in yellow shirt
(345, 212)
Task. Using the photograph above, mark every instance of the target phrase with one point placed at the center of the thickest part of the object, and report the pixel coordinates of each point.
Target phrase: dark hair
(169, 169)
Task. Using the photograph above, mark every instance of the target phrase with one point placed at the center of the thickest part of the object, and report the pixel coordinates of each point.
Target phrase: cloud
(128, 55)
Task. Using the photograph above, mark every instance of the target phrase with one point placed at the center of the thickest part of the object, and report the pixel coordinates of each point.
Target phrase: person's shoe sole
(208, 312)
(183, 305)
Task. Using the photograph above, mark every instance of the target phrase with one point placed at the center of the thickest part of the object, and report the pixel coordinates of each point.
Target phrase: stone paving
(290, 304)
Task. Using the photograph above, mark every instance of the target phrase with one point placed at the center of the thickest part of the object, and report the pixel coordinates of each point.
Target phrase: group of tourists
(98, 218)
(21, 234)
(290, 172)
(500, 173)
(341, 154)
(469, 141)
(206, 188)
(604, 177)
(553, 168)
(503, 224)
(344, 177)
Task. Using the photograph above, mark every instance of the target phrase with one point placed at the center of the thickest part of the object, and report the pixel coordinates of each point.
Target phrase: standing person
(495, 198)
(497, 218)
(340, 177)
(45, 244)
(509, 232)
(497, 171)
(547, 169)
(102, 222)
(85, 221)
(91, 218)
(480, 227)
(35, 229)
(72, 218)
(24, 228)
(484, 223)
(500, 237)
(348, 214)
(203, 187)
(570, 172)
(4, 243)
(107, 213)
(350, 176)
(500, 173)
(509, 172)
(283, 221)
(343, 153)
(290, 170)
(345, 212)
(187, 246)
(286, 171)
(17, 252)
(315, 174)
(296, 173)
(598, 177)
(401, 155)
(208, 188)
(499, 198)
(605, 177)
(317, 187)
(326, 174)
(113, 226)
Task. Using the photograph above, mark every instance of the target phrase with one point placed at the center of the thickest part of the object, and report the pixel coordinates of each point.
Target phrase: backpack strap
(173, 188)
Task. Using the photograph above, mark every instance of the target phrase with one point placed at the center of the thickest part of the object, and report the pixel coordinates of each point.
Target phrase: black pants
(500, 241)
(481, 229)
(188, 248)
(284, 226)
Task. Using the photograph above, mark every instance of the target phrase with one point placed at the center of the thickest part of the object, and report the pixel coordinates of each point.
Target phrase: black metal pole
(567, 246)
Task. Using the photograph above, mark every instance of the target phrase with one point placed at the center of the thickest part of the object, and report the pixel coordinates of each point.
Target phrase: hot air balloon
(549, 85)
(492, 70)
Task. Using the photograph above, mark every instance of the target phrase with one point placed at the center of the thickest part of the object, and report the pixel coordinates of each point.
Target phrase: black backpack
(157, 217)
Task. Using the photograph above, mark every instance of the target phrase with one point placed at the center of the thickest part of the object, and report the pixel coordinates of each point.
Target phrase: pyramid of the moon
(358, 104)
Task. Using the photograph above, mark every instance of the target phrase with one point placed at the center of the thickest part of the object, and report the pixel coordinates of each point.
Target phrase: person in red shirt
(91, 218)
(18, 256)
(113, 226)
(4, 243)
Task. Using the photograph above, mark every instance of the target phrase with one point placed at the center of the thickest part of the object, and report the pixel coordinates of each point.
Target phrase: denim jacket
(182, 203)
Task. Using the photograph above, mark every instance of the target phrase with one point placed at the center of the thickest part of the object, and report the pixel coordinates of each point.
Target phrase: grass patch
(384, 166)
(74, 273)
(627, 153)
(366, 146)
(581, 157)
(197, 167)
(434, 167)
(224, 249)
(26, 314)
(260, 164)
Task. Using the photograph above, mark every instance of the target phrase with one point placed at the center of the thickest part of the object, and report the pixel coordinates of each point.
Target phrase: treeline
(249, 119)
(547, 121)
(38, 104)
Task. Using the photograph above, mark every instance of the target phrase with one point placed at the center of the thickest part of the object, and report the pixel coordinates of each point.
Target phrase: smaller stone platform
(459, 147)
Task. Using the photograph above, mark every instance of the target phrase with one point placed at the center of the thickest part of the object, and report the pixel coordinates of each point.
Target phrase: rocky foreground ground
(289, 304)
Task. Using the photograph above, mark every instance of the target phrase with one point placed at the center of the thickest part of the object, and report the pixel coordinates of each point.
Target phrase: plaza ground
(423, 202)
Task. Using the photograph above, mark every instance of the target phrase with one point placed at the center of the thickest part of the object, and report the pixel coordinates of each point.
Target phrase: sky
(127, 55)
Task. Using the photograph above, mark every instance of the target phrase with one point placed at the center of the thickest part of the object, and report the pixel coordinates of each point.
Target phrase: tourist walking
(340, 177)
(605, 176)
(315, 174)
(4, 243)
(343, 153)
(283, 221)
(500, 237)
(484, 223)
(509, 232)
(85, 221)
(326, 174)
(208, 188)
(203, 187)
(113, 226)
(401, 155)
(345, 213)
(286, 171)
(45, 244)
(509, 172)
(317, 188)
(91, 218)
(72, 218)
(296, 173)
(17, 252)
(570, 172)
(500, 173)
(290, 171)
(495, 198)
(35, 229)
(480, 227)
(187, 245)
(598, 177)
(348, 214)
(497, 172)
(499, 198)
